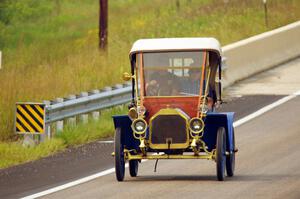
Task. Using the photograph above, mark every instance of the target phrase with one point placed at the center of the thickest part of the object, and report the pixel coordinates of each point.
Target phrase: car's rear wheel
(230, 159)
(119, 156)
(221, 153)
(133, 168)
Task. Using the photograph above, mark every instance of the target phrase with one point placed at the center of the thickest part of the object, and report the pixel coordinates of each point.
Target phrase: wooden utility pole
(103, 15)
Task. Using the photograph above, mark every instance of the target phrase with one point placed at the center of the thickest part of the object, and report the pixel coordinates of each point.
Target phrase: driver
(162, 83)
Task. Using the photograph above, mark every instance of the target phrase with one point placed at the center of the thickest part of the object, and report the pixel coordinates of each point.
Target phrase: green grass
(51, 54)
(95, 129)
(13, 153)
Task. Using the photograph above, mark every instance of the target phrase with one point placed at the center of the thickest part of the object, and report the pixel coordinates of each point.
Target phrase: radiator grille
(168, 128)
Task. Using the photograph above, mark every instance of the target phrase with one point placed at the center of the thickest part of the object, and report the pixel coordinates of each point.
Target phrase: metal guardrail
(88, 102)
(62, 110)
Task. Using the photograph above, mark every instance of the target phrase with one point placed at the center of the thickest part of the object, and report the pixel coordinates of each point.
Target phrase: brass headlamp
(196, 126)
(139, 127)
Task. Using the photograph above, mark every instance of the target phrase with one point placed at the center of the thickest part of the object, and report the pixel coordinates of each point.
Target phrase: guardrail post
(118, 86)
(266, 12)
(72, 120)
(107, 88)
(47, 133)
(95, 114)
(59, 124)
(28, 140)
(84, 117)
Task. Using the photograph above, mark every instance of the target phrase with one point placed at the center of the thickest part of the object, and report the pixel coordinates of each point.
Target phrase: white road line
(112, 170)
(106, 142)
(265, 109)
(71, 184)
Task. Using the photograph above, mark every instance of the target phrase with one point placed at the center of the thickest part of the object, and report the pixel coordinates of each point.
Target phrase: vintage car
(176, 84)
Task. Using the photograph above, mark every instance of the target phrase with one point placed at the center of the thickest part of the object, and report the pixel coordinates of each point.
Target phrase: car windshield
(172, 73)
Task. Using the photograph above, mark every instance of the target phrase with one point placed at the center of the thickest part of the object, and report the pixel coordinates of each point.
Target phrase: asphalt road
(76, 163)
(267, 162)
(268, 165)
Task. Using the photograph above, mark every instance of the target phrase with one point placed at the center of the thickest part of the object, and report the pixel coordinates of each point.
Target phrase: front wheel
(230, 159)
(119, 156)
(133, 168)
(221, 153)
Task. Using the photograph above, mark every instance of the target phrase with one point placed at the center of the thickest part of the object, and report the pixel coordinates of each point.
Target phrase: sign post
(266, 13)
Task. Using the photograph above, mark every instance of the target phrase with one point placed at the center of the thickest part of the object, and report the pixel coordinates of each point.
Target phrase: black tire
(230, 159)
(133, 168)
(119, 156)
(221, 153)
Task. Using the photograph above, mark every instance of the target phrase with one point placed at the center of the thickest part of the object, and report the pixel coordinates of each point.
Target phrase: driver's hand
(152, 88)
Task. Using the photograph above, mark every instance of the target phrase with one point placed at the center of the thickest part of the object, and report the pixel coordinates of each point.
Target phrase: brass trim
(142, 93)
(135, 121)
(209, 156)
(169, 111)
(201, 83)
(202, 125)
(126, 76)
(132, 113)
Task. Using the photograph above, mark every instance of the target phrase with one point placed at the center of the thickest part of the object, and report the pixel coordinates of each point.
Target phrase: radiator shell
(169, 126)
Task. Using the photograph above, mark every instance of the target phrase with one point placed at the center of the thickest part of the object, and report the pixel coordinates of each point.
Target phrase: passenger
(191, 86)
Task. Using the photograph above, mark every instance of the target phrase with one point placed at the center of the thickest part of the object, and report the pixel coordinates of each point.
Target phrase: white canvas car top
(174, 44)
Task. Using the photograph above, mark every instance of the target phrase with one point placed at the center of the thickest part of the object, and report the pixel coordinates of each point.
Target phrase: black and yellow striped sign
(30, 118)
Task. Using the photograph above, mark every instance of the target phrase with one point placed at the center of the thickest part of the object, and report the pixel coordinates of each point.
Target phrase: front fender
(124, 123)
(212, 122)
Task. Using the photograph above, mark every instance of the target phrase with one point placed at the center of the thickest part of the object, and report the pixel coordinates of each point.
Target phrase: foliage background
(50, 46)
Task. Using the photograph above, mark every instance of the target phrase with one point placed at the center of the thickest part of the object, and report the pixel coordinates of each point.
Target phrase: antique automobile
(176, 85)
